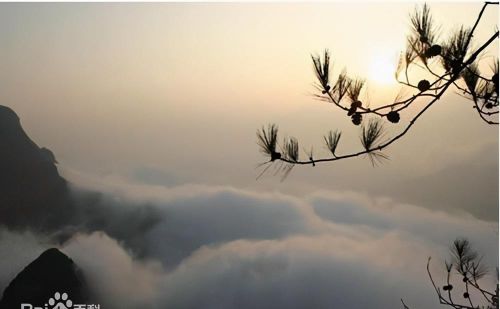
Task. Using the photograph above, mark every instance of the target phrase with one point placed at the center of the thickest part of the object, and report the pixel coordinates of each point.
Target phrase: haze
(151, 97)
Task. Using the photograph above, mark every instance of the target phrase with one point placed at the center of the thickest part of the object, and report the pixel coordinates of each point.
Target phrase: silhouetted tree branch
(453, 63)
(467, 264)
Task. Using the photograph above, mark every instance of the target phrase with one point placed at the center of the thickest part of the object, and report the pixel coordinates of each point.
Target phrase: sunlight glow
(382, 67)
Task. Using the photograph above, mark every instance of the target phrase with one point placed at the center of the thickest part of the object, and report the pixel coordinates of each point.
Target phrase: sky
(160, 103)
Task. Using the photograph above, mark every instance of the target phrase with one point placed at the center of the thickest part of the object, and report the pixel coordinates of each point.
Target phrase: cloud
(17, 250)
(299, 272)
(117, 280)
(195, 246)
(385, 215)
(169, 224)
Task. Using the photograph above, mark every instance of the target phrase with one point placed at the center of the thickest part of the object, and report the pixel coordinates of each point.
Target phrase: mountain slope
(51, 272)
(32, 193)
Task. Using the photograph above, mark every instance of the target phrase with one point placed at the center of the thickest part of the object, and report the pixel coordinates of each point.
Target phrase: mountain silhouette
(52, 272)
(32, 193)
(34, 197)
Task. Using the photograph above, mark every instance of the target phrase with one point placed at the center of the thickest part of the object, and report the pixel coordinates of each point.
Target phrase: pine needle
(471, 76)
(332, 140)
(291, 149)
(423, 24)
(354, 88)
(455, 50)
(372, 133)
(267, 139)
(342, 85)
(322, 68)
(371, 136)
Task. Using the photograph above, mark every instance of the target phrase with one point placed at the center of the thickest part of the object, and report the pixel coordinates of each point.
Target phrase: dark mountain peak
(8, 116)
(53, 255)
(32, 193)
(51, 272)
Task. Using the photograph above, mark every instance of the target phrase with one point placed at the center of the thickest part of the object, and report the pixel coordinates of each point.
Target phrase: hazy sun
(382, 67)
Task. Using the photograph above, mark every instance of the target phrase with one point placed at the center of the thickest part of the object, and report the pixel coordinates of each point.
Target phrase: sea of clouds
(198, 246)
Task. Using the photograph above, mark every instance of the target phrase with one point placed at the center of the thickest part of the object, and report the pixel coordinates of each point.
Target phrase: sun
(382, 67)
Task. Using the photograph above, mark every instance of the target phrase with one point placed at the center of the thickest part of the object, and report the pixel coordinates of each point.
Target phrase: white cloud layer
(219, 247)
